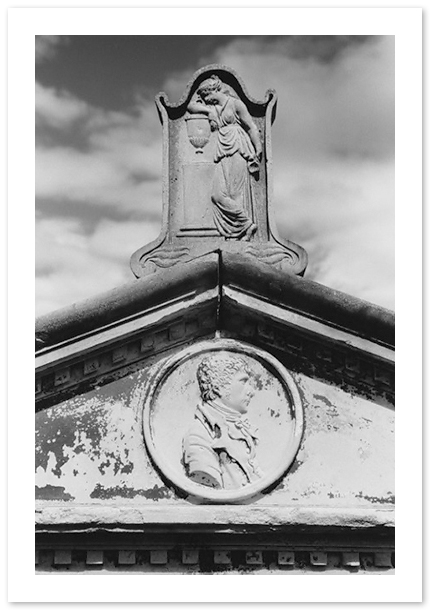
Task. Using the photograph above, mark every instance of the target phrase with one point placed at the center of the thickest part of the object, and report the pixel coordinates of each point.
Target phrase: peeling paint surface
(90, 449)
(347, 452)
(92, 446)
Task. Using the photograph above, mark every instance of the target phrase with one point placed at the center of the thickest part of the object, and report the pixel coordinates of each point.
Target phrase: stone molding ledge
(125, 517)
(189, 560)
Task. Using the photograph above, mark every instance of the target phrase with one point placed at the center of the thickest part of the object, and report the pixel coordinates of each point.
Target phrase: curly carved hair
(216, 371)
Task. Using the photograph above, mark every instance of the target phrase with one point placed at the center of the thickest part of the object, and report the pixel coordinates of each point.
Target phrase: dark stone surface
(309, 298)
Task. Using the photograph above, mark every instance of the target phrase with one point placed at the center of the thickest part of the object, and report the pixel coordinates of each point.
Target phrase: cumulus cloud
(90, 158)
(341, 107)
(72, 265)
(46, 47)
(341, 212)
(97, 178)
(113, 240)
(110, 158)
(58, 109)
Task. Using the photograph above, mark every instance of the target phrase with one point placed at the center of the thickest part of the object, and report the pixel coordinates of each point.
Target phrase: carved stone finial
(217, 181)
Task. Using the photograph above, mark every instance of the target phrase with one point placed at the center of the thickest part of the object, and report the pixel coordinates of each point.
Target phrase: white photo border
(23, 25)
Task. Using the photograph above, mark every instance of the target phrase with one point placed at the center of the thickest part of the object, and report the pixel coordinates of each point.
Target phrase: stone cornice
(314, 329)
(309, 298)
(211, 538)
(136, 297)
(244, 272)
(59, 556)
(210, 518)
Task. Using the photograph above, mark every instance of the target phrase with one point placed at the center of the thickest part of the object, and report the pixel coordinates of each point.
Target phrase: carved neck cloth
(230, 415)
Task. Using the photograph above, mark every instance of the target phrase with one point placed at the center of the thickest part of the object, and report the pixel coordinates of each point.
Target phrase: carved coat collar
(228, 420)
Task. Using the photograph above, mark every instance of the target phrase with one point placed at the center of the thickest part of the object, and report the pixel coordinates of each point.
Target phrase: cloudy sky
(98, 152)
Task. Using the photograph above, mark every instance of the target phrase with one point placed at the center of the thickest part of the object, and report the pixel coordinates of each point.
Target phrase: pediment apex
(345, 341)
(219, 271)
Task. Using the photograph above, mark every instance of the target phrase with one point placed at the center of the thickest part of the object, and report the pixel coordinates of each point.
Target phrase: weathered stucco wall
(90, 449)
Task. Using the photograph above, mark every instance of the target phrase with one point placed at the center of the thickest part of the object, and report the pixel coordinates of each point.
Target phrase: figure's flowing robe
(231, 194)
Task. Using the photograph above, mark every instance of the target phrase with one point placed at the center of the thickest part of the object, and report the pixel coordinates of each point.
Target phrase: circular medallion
(222, 420)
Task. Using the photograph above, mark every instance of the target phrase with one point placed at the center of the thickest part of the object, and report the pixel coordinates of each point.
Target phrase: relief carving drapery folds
(237, 157)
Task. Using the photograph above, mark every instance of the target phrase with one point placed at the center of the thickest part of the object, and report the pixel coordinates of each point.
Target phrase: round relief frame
(287, 456)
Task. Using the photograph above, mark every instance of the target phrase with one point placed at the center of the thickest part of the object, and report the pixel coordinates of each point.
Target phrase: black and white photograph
(215, 307)
(277, 233)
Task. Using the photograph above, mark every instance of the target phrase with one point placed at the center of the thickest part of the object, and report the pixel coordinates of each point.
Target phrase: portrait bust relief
(222, 420)
(220, 447)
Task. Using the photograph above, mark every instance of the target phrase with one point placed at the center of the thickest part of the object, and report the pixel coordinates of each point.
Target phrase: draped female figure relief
(237, 156)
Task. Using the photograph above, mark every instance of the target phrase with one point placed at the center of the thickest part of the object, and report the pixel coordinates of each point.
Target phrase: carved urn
(198, 130)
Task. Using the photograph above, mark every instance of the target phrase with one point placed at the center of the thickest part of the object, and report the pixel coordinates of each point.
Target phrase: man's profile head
(225, 377)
